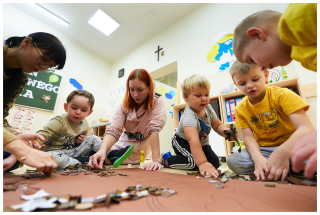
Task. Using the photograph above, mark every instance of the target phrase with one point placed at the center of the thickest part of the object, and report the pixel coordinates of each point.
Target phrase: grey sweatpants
(64, 158)
(242, 163)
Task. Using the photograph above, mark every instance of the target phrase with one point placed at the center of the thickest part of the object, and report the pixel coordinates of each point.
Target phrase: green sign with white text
(41, 91)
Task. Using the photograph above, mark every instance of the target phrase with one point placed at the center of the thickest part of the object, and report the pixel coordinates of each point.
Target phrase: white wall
(188, 41)
(80, 64)
(171, 81)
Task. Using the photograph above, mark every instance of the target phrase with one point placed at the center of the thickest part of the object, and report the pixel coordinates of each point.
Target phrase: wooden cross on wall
(158, 51)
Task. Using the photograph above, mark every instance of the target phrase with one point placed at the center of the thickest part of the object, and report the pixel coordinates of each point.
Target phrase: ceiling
(135, 24)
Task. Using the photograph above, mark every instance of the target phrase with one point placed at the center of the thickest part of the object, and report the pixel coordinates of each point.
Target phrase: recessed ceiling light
(51, 14)
(103, 22)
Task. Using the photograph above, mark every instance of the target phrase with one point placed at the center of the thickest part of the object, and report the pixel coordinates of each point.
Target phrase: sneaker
(164, 158)
(84, 159)
(116, 157)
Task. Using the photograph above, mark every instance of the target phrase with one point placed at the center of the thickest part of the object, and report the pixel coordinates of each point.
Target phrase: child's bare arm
(219, 127)
(278, 161)
(197, 152)
(253, 148)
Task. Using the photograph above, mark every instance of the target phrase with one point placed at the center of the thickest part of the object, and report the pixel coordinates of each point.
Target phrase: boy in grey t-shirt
(202, 124)
(191, 139)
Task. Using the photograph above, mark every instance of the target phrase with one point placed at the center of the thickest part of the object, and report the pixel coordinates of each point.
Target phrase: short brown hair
(81, 93)
(258, 19)
(241, 68)
(238, 67)
(144, 76)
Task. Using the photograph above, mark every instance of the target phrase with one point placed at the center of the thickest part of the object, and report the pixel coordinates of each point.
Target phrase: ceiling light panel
(103, 22)
(52, 15)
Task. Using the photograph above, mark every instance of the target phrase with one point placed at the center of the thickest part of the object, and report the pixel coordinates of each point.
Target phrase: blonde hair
(258, 19)
(192, 82)
(81, 93)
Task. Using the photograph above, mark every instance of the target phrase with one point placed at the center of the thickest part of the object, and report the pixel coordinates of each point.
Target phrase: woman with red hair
(143, 115)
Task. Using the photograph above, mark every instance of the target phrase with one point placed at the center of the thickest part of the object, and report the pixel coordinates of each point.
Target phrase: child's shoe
(116, 157)
(83, 159)
(164, 157)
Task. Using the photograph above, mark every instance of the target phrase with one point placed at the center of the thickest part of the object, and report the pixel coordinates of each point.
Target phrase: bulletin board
(41, 91)
(115, 96)
(22, 119)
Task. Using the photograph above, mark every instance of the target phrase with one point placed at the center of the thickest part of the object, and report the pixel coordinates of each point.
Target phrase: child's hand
(278, 164)
(305, 149)
(153, 166)
(228, 129)
(30, 137)
(260, 168)
(209, 168)
(38, 146)
(9, 162)
(80, 138)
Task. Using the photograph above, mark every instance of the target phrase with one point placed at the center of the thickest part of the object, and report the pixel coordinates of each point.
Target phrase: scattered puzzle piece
(269, 185)
(10, 187)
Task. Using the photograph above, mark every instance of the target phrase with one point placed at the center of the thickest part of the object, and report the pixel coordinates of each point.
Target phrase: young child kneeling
(66, 134)
(191, 139)
(271, 119)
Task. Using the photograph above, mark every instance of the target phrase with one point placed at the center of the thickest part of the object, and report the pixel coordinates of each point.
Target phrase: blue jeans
(15, 166)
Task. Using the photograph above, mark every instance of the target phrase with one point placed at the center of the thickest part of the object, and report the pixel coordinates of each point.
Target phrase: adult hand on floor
(43, 161)
(153, 166)
(96, 160)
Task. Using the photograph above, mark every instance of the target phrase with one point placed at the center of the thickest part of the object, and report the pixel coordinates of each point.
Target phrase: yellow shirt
(298, 28)
(269, 119)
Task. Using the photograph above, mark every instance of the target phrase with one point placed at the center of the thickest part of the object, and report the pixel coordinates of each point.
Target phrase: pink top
(144, 121)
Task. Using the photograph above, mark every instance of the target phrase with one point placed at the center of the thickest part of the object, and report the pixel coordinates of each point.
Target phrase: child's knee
(93, 139)
(230, 161)
(234, 162)
(239, 164)
(63, 160)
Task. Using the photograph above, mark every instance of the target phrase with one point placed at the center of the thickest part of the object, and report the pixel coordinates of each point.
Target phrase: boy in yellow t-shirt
(270, 39)
(271, 119)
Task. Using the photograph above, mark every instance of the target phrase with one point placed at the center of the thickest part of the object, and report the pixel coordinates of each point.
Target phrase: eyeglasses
(43, 61)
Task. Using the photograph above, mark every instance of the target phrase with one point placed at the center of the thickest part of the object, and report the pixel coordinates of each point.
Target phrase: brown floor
(223, 168)
(192, 195)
